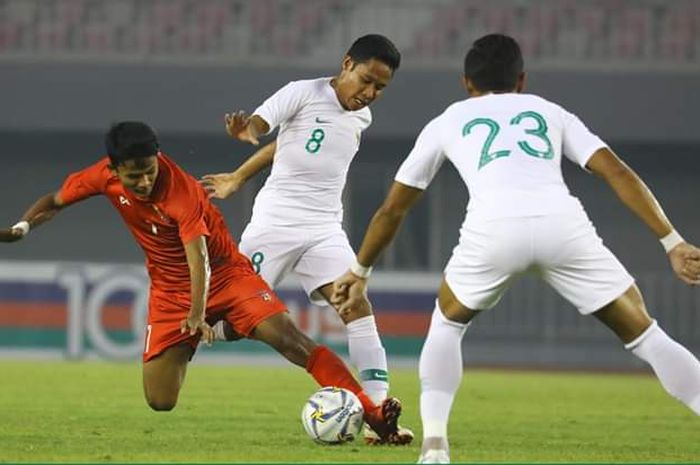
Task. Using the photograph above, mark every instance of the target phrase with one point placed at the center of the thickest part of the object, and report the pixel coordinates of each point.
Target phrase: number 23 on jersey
(540, 132)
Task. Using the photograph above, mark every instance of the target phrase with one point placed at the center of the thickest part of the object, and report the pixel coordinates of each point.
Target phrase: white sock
(440, 370)
(677, 368)
(368, 355)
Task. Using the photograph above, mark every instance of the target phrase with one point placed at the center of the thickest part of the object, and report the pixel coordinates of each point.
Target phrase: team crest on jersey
(265, 296)
(124, 201)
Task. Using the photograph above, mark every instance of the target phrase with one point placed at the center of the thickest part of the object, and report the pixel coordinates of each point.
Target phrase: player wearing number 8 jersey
(296, 223)
(507, 147)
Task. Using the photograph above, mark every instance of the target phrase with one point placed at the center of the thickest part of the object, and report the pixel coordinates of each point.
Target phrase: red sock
(329, 370)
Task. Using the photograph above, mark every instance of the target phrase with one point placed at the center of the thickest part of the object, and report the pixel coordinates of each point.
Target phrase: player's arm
(633, 192)
(200, 272)
(41, 211)
(274, 111)
(222, 185)
(387, 220)
(412, 178)
(245, 128)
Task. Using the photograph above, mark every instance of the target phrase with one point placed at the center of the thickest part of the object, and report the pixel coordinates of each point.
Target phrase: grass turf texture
(95, 412)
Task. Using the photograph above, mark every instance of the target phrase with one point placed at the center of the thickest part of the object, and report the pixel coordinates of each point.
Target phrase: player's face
(139, 175)
(360, 84)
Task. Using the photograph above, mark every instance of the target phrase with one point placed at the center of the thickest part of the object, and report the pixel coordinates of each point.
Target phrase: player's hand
(237, 127)
(221, 185)
(193, 324)
(340, 287)
(685, 261)
(349, 291)
(11, 235)
(356, 301)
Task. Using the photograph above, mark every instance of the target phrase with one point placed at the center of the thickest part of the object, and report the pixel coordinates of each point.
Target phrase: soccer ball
(332, 415)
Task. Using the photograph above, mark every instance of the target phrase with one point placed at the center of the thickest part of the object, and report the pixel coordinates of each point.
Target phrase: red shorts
(244, 302)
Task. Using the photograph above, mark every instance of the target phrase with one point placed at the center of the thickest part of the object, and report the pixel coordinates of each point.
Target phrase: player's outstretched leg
(328, 369)
(440, 370)
(678, 370)
(163, 376)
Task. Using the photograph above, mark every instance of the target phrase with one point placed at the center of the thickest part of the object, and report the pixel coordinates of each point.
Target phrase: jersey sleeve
(366, 120)
(85, 183)
(425, 159)
(187, 208)
(282, 105)
(579, 143)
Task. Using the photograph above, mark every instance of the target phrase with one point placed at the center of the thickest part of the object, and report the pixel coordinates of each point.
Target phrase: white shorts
(564, 249)
(316, 256)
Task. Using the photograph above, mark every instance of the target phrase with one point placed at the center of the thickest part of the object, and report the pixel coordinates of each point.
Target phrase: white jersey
(316, 143)
(507, 149)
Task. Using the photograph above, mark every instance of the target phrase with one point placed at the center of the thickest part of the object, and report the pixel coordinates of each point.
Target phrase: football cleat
(384, 422)
(404, 437)
(434, 456)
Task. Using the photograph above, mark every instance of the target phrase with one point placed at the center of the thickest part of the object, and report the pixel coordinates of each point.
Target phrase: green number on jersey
(257, 259)
(493, 126)
(540, 131)
(314, 143)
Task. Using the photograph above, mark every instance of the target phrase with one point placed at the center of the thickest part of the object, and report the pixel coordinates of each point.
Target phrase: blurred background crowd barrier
(68, 68)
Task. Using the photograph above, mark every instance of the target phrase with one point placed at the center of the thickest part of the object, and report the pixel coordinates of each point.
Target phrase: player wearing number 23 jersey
(521, 218)
(508, 150)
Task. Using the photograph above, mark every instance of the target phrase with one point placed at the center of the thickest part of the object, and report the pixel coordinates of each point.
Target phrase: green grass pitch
(95, 412)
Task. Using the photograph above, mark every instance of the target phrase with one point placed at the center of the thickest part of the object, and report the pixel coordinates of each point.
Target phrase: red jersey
(176, 212)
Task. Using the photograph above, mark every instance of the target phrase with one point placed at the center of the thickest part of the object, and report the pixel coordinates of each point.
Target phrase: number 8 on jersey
(313, 145)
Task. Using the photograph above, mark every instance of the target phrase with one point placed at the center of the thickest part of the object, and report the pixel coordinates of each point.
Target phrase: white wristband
(361, 271)
(671, 240)
(23, 226)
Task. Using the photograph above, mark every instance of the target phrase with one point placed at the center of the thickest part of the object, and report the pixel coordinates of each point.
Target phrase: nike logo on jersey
(321, 121)
(124, 201)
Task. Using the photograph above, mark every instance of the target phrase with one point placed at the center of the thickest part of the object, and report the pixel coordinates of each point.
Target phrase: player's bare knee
(626, 316)
(161, 406)
(161, 403)
(453, 309)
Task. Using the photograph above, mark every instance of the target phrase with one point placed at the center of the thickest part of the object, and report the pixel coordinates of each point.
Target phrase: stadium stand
(565, 33)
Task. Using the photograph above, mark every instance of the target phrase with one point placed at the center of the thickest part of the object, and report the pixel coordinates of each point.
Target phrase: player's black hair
(375, 46)
(129, 140)
(494, 63)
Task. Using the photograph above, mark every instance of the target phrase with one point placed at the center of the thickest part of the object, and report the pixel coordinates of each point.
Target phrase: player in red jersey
(197, 274)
